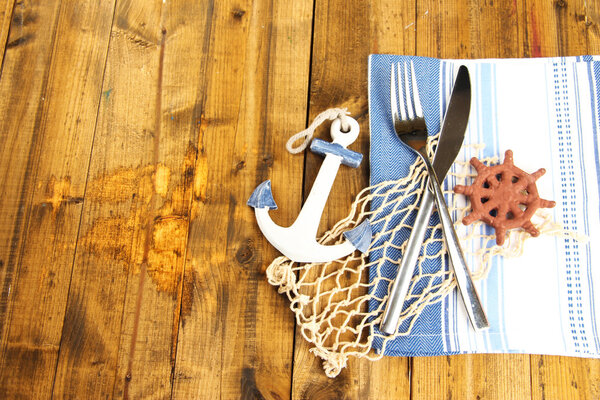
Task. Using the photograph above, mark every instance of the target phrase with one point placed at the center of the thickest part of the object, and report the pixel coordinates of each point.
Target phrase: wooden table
(132, 134)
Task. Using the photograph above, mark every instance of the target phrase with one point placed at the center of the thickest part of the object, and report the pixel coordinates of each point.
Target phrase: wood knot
(249, 388)
(19, 41)
(238, 13)
(239, 166)
(275, 396)
(24, 18)
(585, 19)
(245, 254)
(58, 193)
(268, 160)
(188, 173)
(560, 3)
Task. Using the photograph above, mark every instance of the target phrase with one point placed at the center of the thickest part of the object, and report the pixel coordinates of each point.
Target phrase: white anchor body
(298, 242)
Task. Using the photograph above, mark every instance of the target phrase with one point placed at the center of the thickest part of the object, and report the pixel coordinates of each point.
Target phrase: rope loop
(307, 134)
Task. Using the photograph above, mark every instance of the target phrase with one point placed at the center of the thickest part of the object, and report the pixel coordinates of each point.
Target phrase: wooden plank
(345, 34)
(59, 156)
(468, 29)
(140, 192)
(123, 295)
(150, 324)
(591, 20)
(555, 28)
(388, 378)
(6, 14)
(20, 104)
(556, 377)
(51, 100)
(21, 101)
(481, 376)
(236, 332)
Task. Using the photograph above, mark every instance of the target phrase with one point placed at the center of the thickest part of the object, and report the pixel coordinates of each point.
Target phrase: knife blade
(450, 141)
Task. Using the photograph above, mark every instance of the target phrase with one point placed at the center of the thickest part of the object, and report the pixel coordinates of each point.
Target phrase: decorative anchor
(298, 242)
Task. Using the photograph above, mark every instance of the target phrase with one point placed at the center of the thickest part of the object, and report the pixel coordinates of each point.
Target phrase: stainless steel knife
(449, 144)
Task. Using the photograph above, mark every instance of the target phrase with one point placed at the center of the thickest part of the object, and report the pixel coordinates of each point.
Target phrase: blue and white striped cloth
(547, 110)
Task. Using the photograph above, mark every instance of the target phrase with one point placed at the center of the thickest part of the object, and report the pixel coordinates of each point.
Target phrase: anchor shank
(310, 215)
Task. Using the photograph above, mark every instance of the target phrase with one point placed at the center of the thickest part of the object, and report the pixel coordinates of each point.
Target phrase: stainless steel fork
(409, 124)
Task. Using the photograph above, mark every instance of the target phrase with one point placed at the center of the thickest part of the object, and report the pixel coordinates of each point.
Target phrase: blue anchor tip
(262, 197)
(360, 236)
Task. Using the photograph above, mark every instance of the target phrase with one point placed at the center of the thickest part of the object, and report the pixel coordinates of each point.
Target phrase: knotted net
(331, 300)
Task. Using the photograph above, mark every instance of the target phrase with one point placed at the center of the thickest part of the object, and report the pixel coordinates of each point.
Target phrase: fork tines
(407, 112)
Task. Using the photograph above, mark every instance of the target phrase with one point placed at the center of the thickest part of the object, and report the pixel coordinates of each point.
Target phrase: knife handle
(466, 287)
(399, 289)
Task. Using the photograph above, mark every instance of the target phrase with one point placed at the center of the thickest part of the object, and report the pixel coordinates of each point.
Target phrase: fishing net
(331, 300)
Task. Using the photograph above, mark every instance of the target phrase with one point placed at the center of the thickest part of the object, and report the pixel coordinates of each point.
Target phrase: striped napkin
(547, 110)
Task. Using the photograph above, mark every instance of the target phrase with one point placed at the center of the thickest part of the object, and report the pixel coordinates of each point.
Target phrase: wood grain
(236, 333)
(555, 28)
(56, 61)
(150, 324)
(468, 29)
(591, 19)
(564, 378)
(129, 176)
(479, 376)
(132, 134)
(20, 99)
(6, 15)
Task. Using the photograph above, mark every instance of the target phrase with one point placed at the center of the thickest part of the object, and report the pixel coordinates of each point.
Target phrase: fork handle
(464, 280)
(399, 289)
